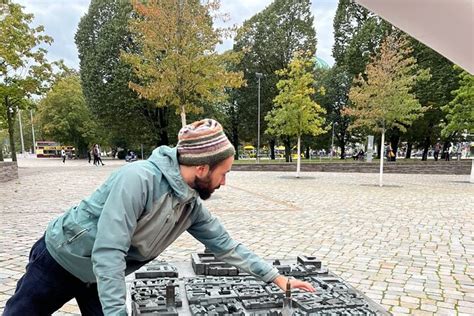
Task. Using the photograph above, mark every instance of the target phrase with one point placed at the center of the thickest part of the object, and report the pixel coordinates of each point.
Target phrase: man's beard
(203, 187)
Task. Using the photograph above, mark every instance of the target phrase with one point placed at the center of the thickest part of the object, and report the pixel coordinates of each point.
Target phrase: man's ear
(202, 170)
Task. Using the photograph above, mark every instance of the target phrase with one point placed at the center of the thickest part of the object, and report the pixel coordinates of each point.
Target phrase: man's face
(206, 185)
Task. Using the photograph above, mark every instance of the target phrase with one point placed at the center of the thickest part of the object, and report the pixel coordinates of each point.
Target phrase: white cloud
(61, 17)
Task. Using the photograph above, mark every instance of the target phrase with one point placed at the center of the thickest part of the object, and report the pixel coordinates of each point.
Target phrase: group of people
(448, 151)
(360, 155)
(95, 152)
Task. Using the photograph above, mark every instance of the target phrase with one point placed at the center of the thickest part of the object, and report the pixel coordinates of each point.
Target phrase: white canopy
(444, 25)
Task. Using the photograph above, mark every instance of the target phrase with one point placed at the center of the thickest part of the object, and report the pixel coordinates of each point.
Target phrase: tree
(383, 98)
(433, 94)
(357, 37)
(295, 112)
(177, 64)
(460, 111)
(24, 70)
(268, 41)
(64, 116)
(101, 36)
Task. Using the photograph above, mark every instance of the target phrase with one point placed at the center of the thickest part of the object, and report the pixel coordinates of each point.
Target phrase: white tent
(446, 26)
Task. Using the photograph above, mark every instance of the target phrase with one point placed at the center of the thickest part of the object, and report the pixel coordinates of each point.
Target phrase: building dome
(320, 63)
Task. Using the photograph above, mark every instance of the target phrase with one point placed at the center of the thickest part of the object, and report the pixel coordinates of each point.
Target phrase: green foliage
(101, 36)
(295, 112)
(63, 115)
(460, 111)
(176, 64)
(357, 37)
(385, 99)
(268, 41)
(24, 70)
(432, 94)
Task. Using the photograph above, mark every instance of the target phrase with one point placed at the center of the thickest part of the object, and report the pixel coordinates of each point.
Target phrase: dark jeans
(46, 286)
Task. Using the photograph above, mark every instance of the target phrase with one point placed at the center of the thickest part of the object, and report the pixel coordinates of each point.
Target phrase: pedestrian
(63, 155)
(89, 156)
(97, 158)
(459, 151)
(437, 149)
(131, 219)
(447, 152)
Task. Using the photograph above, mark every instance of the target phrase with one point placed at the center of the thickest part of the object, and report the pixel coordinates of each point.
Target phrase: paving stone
(412, 240)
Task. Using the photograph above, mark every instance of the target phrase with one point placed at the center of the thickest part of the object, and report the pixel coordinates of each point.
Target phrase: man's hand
(295, 284)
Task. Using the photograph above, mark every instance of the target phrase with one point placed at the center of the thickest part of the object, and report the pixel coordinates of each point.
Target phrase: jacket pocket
(153, 226)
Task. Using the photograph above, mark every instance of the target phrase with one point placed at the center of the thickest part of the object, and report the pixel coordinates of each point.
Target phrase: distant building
(320, 63)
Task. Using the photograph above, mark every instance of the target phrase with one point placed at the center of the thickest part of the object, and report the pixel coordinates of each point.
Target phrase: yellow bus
(51, 149)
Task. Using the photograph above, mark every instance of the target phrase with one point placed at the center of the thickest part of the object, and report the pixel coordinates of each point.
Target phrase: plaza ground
(409, 246)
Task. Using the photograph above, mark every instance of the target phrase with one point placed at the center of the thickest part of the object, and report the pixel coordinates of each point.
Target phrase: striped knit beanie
(203, 143)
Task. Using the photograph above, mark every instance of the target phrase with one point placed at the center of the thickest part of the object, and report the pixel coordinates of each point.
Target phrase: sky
(61, 18)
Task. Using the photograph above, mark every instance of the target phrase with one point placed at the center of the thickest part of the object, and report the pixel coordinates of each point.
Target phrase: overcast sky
(61, 17)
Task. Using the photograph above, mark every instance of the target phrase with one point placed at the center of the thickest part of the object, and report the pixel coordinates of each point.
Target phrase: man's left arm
(208, 230)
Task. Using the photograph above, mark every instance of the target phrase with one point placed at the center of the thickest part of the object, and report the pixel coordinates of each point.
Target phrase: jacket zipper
(70, 240)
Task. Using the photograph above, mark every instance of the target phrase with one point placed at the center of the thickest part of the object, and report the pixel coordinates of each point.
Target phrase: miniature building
(219, 289)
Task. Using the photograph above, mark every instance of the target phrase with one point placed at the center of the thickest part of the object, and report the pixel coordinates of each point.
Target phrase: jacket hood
(166, 159)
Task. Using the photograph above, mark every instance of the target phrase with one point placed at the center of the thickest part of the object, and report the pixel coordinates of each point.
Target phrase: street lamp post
(33, 131)
(259, 75)
(21, 133)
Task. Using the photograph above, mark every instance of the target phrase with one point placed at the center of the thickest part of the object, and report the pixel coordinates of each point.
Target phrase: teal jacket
(136, 214)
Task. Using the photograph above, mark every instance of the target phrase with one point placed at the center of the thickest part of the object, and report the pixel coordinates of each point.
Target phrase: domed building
(320, 63)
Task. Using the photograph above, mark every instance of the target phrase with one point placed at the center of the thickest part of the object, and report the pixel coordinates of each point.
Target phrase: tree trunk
(1, 151)
(409, 148)
(11, 130)
(426, 147)
(287, 149)
(381, 158)
(235, 141)
(342, 138)
(298, 161)
(342, 144)
(272, 148)
(307, 153)
(446, 145)
(183, 116)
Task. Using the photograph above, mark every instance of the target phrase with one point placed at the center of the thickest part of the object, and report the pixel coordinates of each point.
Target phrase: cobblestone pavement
(409, 246)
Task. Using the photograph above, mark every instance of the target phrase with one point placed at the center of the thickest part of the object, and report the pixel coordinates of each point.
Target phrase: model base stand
(214, 288)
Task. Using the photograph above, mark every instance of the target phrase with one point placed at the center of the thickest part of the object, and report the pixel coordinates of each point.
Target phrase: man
(437, 149)
(128, 221)
(63, 155)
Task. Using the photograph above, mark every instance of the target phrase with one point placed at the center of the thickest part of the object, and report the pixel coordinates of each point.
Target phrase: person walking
(63, 155)
(97, 158)
(437, 149)
(131, 219)
(447, 152)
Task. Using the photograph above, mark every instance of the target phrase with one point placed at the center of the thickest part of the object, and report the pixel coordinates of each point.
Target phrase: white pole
(33, 131)
(21, 133)
(298, 161)
(258, 122)
(382, 148)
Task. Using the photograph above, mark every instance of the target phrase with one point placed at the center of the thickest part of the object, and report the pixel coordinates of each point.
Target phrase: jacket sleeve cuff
(270, 275)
